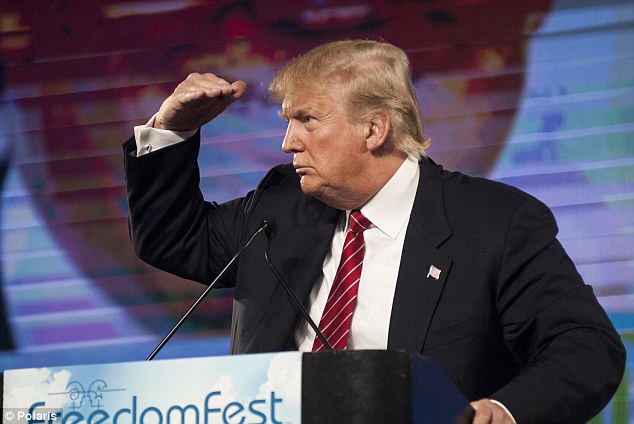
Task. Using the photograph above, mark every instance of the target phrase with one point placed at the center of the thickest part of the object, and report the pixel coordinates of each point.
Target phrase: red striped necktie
(337, 317)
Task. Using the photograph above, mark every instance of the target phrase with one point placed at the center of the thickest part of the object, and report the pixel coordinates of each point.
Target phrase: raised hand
(196, 101)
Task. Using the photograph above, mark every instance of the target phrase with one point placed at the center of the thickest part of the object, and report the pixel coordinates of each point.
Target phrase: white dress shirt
(149, 139)
(389, 212)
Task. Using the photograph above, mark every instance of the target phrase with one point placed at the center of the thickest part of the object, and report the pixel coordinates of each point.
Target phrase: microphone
(270, 233)
(264, 226)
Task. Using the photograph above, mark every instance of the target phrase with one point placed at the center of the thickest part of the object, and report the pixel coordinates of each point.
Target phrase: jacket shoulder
(484, 192)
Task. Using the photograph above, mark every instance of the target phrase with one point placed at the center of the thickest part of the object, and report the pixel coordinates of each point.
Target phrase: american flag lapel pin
(433, 272)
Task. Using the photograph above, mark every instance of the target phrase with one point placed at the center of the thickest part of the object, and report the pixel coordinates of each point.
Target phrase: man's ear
(377, 131)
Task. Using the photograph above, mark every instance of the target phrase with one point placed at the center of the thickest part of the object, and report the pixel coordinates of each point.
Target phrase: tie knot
(358, 223)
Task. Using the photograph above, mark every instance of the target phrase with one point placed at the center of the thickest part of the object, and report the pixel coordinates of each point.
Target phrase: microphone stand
(263, 226)
(294, 298)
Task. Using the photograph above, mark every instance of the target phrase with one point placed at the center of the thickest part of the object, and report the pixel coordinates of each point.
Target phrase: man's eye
(307, 119)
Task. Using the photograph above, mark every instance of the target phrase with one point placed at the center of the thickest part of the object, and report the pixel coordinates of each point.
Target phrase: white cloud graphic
(23, 388)
(226, 385)
(284, 377)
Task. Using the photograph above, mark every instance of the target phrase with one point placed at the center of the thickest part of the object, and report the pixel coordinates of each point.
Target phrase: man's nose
(291, 142)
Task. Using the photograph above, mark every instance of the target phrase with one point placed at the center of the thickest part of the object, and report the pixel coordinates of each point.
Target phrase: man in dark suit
(463, 270)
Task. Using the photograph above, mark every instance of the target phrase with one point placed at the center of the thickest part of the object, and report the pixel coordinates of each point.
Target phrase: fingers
(487, 412)
(198, 86)
(197, 100)
(239, 87)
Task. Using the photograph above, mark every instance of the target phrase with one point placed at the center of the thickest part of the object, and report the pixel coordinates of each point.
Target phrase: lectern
(368, 387)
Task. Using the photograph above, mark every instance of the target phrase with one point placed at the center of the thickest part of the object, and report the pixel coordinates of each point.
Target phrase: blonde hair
(372, 76)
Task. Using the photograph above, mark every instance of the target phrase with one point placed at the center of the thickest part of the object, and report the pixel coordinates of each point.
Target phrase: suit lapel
(424, 268)
(310, 247)
(299, 258)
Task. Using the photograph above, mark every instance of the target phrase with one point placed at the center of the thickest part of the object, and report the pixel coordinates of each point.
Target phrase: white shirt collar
(390, 208)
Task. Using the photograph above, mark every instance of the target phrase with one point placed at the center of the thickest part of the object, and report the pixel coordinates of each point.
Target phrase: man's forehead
(306, 101)
(294, 104)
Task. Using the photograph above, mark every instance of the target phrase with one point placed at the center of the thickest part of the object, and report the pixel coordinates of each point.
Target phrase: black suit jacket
(508, 317)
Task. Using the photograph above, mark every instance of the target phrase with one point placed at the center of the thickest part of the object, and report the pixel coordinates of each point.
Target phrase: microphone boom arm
(294, 298)
(263, 226)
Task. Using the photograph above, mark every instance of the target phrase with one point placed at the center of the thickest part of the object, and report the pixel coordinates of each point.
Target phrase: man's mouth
(300, 169)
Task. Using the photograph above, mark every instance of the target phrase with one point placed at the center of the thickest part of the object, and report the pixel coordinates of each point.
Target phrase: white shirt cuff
(149, 139)
(501, 405)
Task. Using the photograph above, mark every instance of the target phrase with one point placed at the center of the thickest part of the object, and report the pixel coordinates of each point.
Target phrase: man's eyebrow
(301, 111)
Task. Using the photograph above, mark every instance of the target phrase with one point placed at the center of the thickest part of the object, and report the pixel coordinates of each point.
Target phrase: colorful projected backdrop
(537, 94)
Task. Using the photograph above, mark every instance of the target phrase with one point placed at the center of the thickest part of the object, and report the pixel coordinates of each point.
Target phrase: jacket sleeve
(572, 357)
(171, 226)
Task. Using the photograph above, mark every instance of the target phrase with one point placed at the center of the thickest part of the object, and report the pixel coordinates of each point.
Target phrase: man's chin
(307, 187)
(324, 195)
(310, 188)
